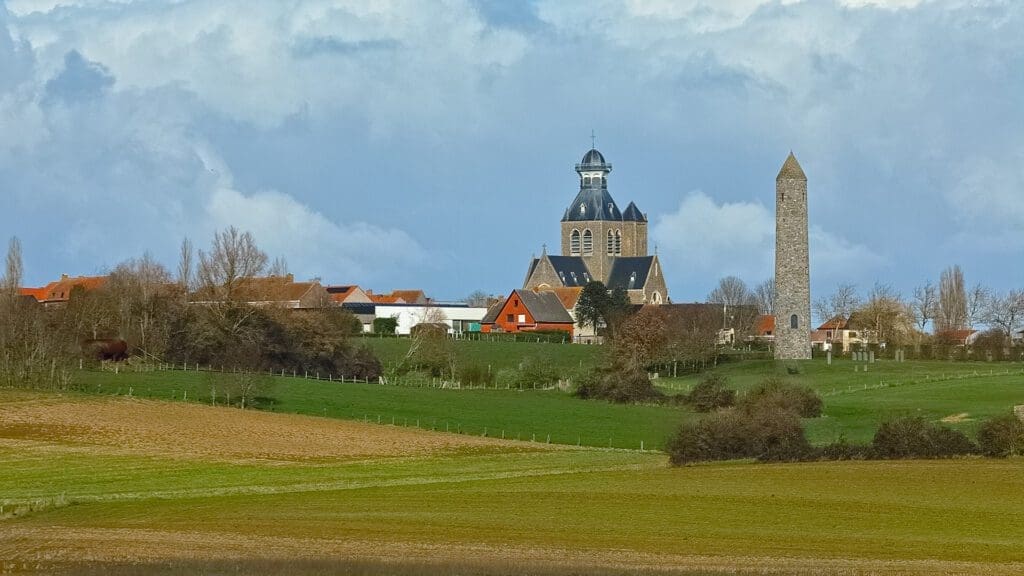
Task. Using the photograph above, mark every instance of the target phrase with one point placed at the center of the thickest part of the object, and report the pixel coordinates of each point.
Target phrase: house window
(510, 318)
(574, 242)
(522, 318)
(588, 243)
(794, 322)
(515, 303)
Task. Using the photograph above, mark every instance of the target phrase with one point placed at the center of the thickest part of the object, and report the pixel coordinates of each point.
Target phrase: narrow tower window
(574, 243)
(588, 243)
(618, 241)
(794, 322)
(611, 243)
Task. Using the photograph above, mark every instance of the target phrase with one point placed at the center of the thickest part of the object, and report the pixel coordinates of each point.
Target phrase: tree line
(206, 313)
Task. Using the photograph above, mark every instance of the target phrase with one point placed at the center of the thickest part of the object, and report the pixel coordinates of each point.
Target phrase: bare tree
(14, 270)
(141, 290)
(233, 257)
(952, 309)
(731, 291)
(185, 273)
(977, 300)
(842, 302)
(279, 267)
(924, 304)
(1005, 312)
(885, 318)
(765, 294)
(478, 299)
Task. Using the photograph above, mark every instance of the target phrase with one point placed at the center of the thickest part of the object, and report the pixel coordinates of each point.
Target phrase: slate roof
(493, 311)
(593, 158)
(571, 269)
(633, 214)
(360, 307)
(791, 170)
(592, 203)
(630, 272)
(545, 307)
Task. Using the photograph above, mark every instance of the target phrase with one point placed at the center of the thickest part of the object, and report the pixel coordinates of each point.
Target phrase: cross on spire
(593, 140)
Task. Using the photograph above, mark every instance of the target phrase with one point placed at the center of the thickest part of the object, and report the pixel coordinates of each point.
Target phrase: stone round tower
(792, 268)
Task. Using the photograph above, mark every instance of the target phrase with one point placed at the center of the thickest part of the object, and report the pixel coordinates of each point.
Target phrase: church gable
(557, 271)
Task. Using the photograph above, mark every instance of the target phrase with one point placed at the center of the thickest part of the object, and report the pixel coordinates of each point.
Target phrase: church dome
(592, 158)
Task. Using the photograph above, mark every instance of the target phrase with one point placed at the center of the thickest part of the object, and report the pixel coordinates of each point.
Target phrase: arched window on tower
(586, 180)
(794, 322)
(588, 243)
(611, 243)
(574, 243)
(618, 241)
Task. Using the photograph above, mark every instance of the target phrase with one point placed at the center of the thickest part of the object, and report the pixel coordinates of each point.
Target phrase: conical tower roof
(791, 170)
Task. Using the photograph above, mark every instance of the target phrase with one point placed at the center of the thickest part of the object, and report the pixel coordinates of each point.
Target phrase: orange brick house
(528, 311)
(59, 292)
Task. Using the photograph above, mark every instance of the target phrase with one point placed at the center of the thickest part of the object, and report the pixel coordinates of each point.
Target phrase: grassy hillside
(80, 491)
(496, 355)
(855, 402)
(526, 415)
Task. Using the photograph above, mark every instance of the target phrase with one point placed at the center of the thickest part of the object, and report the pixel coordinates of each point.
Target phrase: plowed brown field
(192, 430)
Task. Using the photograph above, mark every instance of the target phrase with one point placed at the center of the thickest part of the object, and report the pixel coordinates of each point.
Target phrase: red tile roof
(837, 323)
(60, 291)
(765, 325)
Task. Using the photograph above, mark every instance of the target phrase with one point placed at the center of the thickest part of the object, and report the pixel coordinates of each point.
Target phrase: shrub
(777, 436)
(777, 393)
(474, 374)
(1002, 436)
(386, 326)
(711, 394)
(623, 386)
(913, 437)
(770, 435)
(843, 450)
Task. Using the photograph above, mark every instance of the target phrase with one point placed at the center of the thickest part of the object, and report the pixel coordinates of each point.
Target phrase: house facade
(528, 311)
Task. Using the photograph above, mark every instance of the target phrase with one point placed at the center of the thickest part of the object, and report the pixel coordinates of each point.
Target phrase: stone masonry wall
(792, 271)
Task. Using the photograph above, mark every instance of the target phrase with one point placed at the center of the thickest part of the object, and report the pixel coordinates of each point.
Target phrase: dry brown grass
(174, 429)
(122, 546)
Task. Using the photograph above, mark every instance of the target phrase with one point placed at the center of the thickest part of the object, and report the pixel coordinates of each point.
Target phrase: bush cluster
(711, 394)
(915, 437)
(623, 386)
(265, 339)
(1002, 436)
(775, 392)
(765, 424)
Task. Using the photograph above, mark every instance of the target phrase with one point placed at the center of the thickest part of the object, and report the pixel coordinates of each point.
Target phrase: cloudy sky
(401, 144)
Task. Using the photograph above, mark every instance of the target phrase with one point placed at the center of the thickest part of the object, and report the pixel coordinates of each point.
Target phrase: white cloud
(706, 240)
(312, 244)
(709, 240)
(260, 62)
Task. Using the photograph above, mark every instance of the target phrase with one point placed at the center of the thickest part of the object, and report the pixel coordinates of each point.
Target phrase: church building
(600, 242)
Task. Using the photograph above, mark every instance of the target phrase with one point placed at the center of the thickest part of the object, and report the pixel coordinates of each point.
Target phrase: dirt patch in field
(957, 418)
(47, 549)
(190, 430)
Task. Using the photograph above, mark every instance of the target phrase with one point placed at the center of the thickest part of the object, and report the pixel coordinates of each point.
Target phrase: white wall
(409, 316)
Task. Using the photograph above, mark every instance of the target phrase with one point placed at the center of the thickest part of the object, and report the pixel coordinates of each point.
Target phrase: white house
(458, 318)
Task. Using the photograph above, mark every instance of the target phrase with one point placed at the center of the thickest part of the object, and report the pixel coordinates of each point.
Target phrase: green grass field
(566, 358)
(514, 509)
(855, 402)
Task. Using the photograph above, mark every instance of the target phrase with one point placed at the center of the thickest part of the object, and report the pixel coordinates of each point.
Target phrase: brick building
(600, 242)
